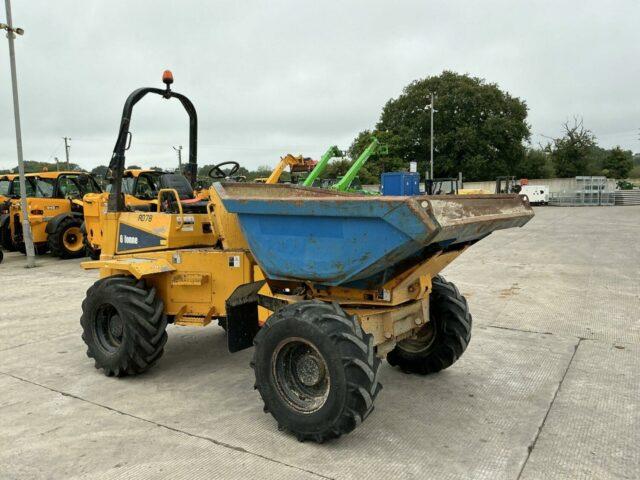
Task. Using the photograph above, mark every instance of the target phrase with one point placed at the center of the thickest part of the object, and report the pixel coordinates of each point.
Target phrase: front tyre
(67, 241)
(123, 325)
(443, 340)
(316, 370)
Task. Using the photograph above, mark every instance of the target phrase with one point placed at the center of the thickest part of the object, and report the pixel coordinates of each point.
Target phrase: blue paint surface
(334, 239)
(328, 242)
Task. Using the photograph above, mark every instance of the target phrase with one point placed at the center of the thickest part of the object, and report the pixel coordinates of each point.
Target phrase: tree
(570, 153)
(535, 164)
(100, 171)
(618, 163)
(32, 166)
(478, 129)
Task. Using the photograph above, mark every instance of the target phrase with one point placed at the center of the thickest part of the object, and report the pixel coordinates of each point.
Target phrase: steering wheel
(217, 173)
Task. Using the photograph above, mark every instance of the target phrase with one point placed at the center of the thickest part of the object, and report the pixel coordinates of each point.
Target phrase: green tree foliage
(618, 163)
(31, 166)
(571, 152)
(478, 129)
(100, 171)
(535, 164)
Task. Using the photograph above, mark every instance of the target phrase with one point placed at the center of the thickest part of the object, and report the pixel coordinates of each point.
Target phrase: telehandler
(55, 212)
(8, 191)
(6, 186)
(324, 284)
(349, 182)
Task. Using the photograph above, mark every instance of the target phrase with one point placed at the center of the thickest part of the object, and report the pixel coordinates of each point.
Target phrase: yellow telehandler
(54, 202)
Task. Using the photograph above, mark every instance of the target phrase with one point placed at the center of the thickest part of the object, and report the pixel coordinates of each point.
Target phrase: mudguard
(52, 225)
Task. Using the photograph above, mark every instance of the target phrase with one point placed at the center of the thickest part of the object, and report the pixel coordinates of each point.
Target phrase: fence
(590, 191)
(627, 197)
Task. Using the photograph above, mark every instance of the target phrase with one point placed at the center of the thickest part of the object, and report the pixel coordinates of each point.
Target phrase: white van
(537, 194)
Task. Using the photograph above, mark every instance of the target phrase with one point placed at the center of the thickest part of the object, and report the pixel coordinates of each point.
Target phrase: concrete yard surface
(549, 387)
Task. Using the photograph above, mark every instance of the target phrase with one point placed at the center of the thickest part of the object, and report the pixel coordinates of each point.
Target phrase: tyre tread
(145, 325)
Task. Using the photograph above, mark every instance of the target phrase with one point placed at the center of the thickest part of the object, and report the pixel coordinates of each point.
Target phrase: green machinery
(344, 184)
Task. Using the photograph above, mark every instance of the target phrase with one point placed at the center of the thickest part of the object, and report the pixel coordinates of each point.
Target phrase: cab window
(147, 186)
(31, 187)
(5, 183)
(68, 188)
(43, 187)
(76, 186)
(127, 185)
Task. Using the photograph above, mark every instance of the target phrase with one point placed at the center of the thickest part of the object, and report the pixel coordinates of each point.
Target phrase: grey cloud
(272, 77)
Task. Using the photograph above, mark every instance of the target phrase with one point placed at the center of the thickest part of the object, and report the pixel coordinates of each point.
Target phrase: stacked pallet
(627, 197)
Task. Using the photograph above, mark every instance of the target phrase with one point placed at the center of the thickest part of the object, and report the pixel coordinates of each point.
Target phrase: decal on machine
(131, 238)
(234, 261)
(187, 223)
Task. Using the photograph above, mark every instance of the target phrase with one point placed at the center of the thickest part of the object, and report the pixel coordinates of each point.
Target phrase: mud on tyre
(316, 370)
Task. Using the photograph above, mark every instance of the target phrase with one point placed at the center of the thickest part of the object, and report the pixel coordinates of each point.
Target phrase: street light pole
(26, 226)
(67, 147)
(179, 150)
(432, 111)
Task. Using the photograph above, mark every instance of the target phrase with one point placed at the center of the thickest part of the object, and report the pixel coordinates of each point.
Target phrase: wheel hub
(108, 328)
(115, 326)
(422, 341)
(309, 370)
(301, 375)
(72, 239)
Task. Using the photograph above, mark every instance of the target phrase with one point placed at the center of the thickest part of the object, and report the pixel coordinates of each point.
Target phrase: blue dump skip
(332, 238)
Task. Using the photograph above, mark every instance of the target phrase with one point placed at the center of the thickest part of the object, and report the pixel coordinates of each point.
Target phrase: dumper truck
(323, 284)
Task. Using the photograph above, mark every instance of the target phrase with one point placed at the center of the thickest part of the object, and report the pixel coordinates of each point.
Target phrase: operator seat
(187, 199)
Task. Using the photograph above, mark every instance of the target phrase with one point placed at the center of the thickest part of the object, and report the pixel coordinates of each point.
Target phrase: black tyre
(443, 340)
(1, 256)
(5, 238)
(124, 325)
(67, 240)
(222, 322)
(39, 248)
(89, 251)
(316, 370)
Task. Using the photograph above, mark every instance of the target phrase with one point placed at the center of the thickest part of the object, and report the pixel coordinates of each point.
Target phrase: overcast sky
(273, 77)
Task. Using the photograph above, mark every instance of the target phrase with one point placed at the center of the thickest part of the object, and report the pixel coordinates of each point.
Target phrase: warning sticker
(234, 262)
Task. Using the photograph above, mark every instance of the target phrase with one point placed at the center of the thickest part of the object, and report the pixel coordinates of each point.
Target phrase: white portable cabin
(537, 194)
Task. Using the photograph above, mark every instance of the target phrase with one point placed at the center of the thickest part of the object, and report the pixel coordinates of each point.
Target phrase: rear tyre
(442, 341)
(39, 248)
(123, 325)
(67, 239)
(316, 370)
(89, 251)
(1, 256)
